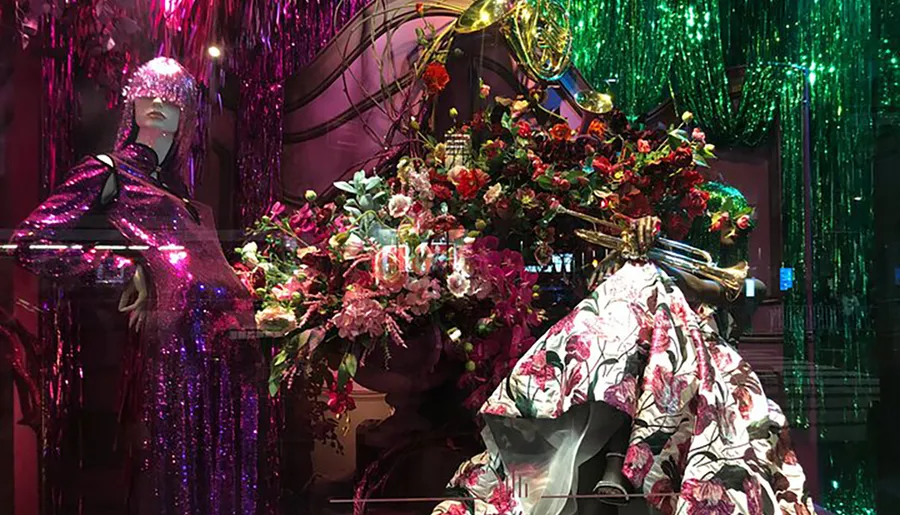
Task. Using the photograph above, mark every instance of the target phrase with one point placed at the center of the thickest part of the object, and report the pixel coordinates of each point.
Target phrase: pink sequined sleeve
(52, 242)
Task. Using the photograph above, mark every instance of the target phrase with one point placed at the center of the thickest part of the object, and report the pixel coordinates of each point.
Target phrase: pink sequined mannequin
(201, 379)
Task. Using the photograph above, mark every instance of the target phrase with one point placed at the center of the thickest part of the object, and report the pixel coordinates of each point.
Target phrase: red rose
(561, 132)
(435, 78)
(695, 202)
(420, 8)
(657, 191)
(643, 146)
(470, 181)
(743, 222)
(682, 157)
(524, 129)
(686, 180)
(676, 226)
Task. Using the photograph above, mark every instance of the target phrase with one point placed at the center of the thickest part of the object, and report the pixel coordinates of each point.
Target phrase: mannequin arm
(89, 187)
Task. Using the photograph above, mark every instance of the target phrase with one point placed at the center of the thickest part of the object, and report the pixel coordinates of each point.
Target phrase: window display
(519, 257)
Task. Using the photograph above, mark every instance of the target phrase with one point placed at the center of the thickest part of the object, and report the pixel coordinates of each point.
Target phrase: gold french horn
(540, 35)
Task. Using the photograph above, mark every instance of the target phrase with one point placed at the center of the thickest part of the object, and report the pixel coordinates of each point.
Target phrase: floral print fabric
(705, 440)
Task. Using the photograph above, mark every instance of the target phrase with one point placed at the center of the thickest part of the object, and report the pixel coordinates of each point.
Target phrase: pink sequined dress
(201, 376)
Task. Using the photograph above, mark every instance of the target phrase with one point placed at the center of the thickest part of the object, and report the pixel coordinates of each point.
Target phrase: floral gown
(705, 440)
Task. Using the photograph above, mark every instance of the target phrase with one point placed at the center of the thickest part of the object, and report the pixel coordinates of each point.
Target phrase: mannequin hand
(136, 289)
(646, 230)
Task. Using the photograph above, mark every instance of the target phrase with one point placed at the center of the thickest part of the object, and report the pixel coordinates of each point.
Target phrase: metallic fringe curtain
(827, 46)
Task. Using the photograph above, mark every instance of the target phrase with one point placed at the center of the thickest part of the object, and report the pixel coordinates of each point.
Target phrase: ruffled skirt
(704, 437)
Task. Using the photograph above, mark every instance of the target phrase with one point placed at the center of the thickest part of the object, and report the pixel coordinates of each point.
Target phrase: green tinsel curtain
(784, 46)
(836, 45)
(626, 47)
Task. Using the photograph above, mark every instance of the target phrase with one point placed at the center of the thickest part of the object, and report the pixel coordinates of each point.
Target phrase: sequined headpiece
(166, 79)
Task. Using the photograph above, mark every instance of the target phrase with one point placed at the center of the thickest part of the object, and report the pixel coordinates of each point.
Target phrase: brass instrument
(540, 35)
(669, 252)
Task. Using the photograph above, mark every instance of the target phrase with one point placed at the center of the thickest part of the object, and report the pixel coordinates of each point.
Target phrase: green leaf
(279, 358)
(700, 161)
(372, 183)
(525, 407)
(353, 211)
(506, 121)
(344, 186)
(554, 360)
(273, 387)
(347, 370)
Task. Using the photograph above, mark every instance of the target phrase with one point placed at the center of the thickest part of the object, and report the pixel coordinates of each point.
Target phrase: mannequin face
(156, 115)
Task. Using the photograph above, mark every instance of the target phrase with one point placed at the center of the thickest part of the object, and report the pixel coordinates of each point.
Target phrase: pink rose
(389, 267)
(743, 222)
(643, 146)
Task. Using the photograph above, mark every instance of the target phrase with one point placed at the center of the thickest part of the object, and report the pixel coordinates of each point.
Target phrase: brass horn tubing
(589, 218)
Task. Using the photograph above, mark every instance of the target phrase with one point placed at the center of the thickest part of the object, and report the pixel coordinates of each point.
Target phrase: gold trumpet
(540, 34)
(669, 252)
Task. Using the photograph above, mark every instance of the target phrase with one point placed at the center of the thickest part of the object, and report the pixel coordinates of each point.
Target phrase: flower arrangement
(335, 281)
(427, 243)
(505, 173)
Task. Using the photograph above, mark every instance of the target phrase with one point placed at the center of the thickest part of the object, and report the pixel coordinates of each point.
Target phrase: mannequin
(199, 377)
(642, 376)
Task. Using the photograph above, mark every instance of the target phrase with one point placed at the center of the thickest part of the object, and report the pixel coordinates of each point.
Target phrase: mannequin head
(156, 115)
(162, 111)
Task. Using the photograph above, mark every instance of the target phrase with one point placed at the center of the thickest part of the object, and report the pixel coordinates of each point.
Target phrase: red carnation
(470, 181)
(435, 78)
